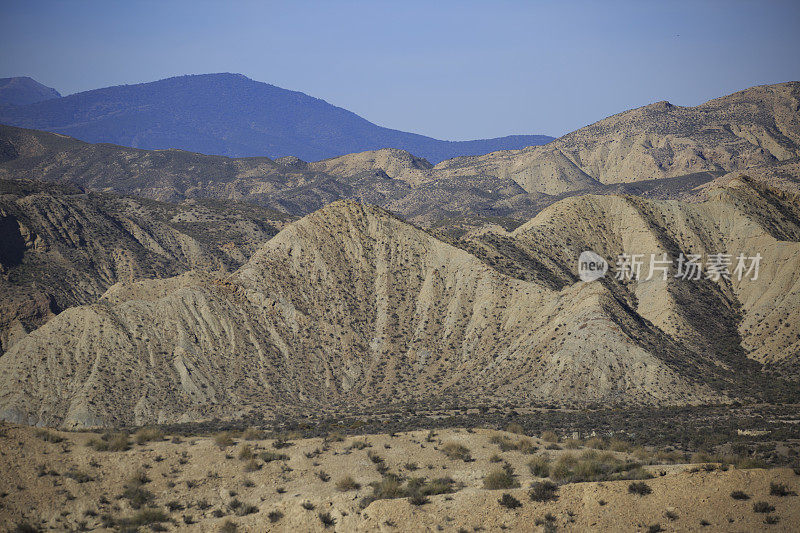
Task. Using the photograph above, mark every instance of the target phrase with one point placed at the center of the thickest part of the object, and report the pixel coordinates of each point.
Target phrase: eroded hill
(63, 247)
(351, 306)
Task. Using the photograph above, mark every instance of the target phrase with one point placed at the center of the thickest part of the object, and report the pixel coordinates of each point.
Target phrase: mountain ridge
(232, 115)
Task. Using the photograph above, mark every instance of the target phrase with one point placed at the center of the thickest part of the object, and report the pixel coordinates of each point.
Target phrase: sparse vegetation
(111, 442)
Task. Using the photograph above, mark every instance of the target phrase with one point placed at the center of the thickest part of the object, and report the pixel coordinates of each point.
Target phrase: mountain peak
(24, 90)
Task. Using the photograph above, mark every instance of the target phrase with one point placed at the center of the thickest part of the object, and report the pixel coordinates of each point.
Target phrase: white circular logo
(591, 266)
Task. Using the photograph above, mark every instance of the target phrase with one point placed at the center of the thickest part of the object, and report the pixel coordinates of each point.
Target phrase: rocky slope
(62, 247)
(351, 306)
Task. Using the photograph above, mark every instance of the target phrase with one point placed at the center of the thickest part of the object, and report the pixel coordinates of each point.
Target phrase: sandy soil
(36, 487)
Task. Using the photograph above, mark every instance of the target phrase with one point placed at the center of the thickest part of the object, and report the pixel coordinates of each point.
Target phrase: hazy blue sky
(449, 69)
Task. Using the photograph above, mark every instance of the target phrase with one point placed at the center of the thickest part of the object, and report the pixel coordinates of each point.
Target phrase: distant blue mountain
(23, 91)
(232, 115)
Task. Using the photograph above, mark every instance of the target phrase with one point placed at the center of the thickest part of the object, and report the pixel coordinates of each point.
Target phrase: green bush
(539, 466)
(500, 478)
(454, 451)
(145, 435)
(763, 507)
(640, 488)
(346, 484)
(543, 491)
(509, 502)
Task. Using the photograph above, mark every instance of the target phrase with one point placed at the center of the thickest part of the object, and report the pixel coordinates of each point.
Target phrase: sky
(449, 69)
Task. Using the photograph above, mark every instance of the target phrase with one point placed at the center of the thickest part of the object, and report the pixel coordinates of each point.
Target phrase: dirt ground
(197, 481)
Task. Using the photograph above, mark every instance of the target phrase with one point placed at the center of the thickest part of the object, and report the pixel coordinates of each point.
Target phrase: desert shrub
(144, 517)
(417, 498)
(596, 443)
(655, 528)
(138, 496)
(387, 488)
(618, 445)
(411, 467)
(374, 457)
(48, 436)
(252, 466)
(174, 505)
(25, 527)
(739, 495)
(750, 462)
(763, 507)
(507, 444)
(77, 475)
(145, 435)
(281, 442)
(779, 489)
(671, 515)
(539, 466)
(454, 450)
(111, 442)
(771, 520)
(246, 509)
(391, 486)
(572, 444)
(514, 427)
(326, 519)
(228, 527)
(543, 491)
(441, 485)
(307, 505)
(500, 478)
(358, 444)
(323, 476)
(495, 459)
(246, 453)
(268, 457)
(549, 436)
(639, 488)
(508, 501)
(274, 516)
(252, 434)
(334, 437)
(592, 465)
(346, 484)
(223, 440)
